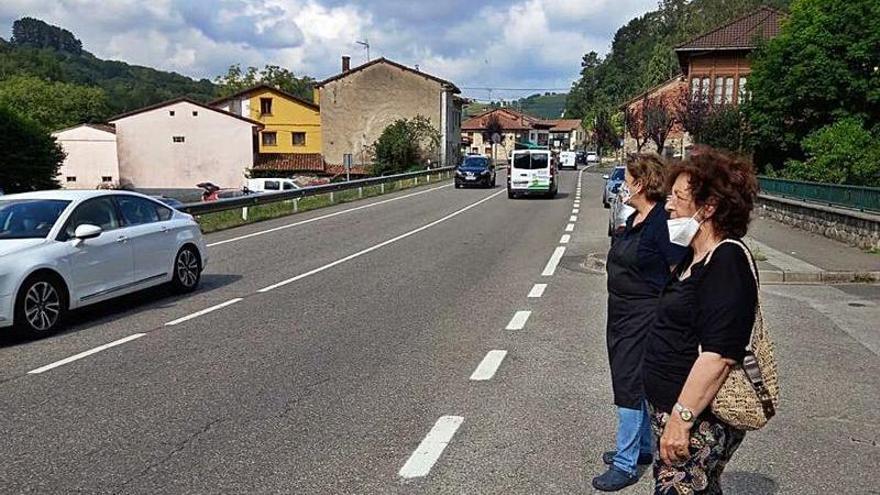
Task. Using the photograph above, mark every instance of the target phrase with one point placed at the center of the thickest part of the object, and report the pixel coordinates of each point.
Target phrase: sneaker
(644, 459)
(614, 479)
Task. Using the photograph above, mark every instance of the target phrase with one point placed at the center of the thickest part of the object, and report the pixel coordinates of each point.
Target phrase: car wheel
(40, 306)
(510, 194)
(187, 270)
(457, 185)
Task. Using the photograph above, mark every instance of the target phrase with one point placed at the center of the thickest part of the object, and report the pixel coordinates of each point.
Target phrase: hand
(675, 441)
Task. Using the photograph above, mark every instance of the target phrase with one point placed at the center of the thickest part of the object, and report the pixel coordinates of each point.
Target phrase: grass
(213, 222)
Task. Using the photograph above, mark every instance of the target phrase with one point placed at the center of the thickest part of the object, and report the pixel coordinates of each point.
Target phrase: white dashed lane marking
(488, 366)
(518, 322)
(85, 354)
(537, 290)
(553, 262)
(565, 238)
(426, 454)
(569, 227)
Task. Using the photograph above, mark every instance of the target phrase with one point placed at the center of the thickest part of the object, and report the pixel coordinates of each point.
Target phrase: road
(343, 336)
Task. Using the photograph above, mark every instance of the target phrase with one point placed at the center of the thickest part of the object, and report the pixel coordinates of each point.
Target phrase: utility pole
(366, 45)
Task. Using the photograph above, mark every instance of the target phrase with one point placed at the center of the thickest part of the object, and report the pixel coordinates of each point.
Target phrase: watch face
(687, 415)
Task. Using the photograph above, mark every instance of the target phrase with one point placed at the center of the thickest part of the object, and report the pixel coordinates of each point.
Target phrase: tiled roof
(264, 87)
(392, 63)
(254, 123)
(565, 125)
(740, 33)
(510, 120)
(300, 162)
(340, 170)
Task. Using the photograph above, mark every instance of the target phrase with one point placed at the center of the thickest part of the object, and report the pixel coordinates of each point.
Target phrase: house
(359, 103)
(567, 134)
(667, 93)
(291, 125)
(90, 156)
(180, 143)
(514, 127)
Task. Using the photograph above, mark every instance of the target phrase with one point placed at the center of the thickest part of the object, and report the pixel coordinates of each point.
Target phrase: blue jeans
(634, 436)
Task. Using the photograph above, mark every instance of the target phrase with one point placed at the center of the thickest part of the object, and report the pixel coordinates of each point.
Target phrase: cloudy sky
(476, 44)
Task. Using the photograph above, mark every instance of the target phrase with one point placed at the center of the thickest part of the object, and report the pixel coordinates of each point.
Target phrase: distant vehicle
(581, 157)
(273, 184)
(532, 172)
(618, 215)
(62, 250)
(174, 203)
(568, 159)
(612, 184)
(475, 170)
(592, 157)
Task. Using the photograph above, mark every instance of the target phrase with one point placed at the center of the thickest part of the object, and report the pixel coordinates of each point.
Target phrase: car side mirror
(605, 176)
(87, 231)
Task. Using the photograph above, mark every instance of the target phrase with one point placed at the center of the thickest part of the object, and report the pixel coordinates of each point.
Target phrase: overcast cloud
(476, 44)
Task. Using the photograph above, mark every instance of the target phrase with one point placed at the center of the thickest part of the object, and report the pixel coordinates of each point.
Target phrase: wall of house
(357, 108)
(217, 148)
(733, 65)
(502, 150)
(453, 129)
(90, 157)
(288, 116)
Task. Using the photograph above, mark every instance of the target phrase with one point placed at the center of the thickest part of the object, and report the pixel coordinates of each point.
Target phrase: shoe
(614, 479)
(644, 459)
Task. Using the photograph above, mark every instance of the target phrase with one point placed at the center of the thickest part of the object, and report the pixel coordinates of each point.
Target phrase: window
(265, 106)
(270, 139)
(271, 185)
(704, 89)
(71, 178)
(98, 211)
(728, 90)
(29, 218)
(299, 139)
(171, 113)
(288, 186)
(719, 90)
(178, 139)
(743, 94)
(195, 113)
(164, 213)
(106, 178)
(137, 211)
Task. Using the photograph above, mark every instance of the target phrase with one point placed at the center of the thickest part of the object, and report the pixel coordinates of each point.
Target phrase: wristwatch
(686, 414)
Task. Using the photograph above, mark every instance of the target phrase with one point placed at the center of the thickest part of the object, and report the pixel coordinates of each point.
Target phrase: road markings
(550, 268)
(518, 322)
(378, 246)
(203, 312)
(85, 354)
(569, 227)
(565, 238)
(537, 290)
(323, 217)
(573, 218)
(575, 211)
(426, 454)
(488, 366)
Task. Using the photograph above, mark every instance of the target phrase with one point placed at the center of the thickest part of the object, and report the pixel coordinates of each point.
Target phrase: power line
(515, 89)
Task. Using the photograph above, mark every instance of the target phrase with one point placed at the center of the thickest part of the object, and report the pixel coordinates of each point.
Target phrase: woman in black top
(704, 321)
(639, 266)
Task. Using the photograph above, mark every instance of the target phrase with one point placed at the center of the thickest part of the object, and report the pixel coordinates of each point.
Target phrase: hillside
(545, 106)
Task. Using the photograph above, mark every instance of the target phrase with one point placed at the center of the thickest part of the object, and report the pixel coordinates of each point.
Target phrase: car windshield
(529, 161)
(475, 162)
(618, 174)
(29, 218)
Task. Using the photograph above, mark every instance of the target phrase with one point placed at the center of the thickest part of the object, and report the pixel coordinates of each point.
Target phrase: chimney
(346, 63)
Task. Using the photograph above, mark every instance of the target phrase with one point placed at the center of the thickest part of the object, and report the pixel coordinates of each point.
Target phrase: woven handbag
(750, 394)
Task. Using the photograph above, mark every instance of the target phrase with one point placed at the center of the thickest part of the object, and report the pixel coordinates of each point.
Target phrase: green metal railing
(857, 197)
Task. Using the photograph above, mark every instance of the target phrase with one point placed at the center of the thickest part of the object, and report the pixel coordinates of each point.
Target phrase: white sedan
(62, 250)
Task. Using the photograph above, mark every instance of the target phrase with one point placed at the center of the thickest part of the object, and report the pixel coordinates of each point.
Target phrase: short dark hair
(721, 180)
(649, 169)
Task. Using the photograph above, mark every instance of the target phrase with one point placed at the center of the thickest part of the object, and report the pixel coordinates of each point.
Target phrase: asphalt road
(349, 333)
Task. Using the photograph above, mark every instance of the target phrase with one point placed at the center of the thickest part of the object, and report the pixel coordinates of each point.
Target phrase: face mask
(626, 193)
(683, 230)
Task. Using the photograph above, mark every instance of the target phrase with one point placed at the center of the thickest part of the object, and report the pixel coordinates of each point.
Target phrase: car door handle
(121, 239)
(163, 228)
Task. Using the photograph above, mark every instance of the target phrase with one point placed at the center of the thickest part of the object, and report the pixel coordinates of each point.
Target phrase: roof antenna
(366, 45)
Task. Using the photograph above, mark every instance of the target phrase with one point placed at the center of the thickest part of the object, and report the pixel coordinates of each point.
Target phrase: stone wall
(853, 227)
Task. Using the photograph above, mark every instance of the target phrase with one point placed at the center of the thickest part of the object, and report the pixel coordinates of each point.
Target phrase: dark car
(475, 171)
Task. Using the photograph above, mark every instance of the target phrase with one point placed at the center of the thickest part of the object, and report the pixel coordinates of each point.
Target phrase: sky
(531, 45)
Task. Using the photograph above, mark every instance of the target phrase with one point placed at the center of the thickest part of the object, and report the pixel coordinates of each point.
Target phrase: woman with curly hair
(704, 321)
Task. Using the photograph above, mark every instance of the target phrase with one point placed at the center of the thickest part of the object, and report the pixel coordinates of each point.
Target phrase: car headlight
(484, 172)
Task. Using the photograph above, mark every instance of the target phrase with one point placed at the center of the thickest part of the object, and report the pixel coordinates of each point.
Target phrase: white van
(272, 184)
(532, 172)
(568, 159)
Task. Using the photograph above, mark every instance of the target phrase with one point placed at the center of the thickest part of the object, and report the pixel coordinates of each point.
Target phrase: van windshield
(528, 161)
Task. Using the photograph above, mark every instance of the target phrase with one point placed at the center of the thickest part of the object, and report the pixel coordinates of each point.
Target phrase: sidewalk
(788, 255)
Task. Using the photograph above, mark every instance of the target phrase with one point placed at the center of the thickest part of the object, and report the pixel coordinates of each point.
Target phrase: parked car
(612, 184)
(62, 250)
(272, 184)
(618, 215)
(581, 157)
(532, 172)
(568, 159)
(174, 203)
(475, 170)
(592, 157)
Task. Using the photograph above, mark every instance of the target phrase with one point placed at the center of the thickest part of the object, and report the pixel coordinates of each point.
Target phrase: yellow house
(292, 124)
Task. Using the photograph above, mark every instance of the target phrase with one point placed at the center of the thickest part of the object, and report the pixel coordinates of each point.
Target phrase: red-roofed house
(515, 127)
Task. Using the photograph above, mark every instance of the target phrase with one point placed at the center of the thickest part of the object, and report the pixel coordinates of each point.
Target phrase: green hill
(545, 106)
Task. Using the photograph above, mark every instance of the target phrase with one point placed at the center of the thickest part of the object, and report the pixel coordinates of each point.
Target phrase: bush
(31, 156)
(405, 144)
(843, 153)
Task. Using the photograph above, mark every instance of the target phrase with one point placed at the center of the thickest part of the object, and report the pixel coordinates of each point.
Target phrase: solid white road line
(537, 290)
(565, 238)
(518, 322)
(488, 366)
(378, 246)
(573, 218)
(203, 312)
(550, 268)
(324, 217)
(569, 227)
(426, 454)
(86, 353)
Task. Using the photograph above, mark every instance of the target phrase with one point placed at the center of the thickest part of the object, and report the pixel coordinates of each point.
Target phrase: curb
(776, 277)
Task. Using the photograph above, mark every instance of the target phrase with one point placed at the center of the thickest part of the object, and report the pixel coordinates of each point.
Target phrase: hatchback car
(612, 184)
(475, 170)
(62, 250)
(618, 216)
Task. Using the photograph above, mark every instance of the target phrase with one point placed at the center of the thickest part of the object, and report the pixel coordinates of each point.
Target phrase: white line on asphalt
(86, 353)
(426, 454)
(323, 217)
(203, 312)
(573, 218)
(569, 227)
(378, 246)
(488, 366)
(550, 268)
(565, 238)
(575, 211)
(518, 322)
(537, 290)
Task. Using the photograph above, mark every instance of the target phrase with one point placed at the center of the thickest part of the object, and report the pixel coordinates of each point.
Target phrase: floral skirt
(712, 445)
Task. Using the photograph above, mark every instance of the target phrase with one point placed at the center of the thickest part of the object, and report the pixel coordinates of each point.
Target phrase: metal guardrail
(856, 197)
(248, 200)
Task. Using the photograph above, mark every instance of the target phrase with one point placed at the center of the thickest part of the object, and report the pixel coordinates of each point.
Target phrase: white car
(62, 250)
(272, 185)
(592, 157)
(568, 159)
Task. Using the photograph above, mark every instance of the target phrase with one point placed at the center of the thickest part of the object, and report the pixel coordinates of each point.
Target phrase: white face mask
(683, 230)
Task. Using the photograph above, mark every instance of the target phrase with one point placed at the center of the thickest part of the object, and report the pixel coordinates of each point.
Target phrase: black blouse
(714, 308)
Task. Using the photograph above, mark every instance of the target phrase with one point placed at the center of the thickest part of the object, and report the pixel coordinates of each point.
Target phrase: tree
(724, 128)
(31, 156)
(237, 79)
(843, 153)
(823, 67)
(405, 144)
(693, 112)
(53, 105)
(659, 119)
(635, 126)
(35, 33)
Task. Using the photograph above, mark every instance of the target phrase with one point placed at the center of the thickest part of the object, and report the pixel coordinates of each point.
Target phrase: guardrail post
(360, 192)
(417, 180)
(382, 187)
(331, 197)
(244, 213)
(296, 205)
